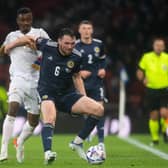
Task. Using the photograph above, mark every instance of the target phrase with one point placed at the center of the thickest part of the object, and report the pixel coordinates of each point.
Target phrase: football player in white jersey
(22, 89)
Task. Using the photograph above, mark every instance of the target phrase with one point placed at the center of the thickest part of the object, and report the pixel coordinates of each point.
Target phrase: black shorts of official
(155, 99)
(63, 101)
(96, 93)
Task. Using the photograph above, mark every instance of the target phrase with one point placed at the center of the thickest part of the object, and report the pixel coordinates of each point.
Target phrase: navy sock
(90, 123)
(100, 130)
(47, 134)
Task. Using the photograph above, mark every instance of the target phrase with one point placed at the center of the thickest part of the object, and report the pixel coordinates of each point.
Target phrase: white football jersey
(23, 57)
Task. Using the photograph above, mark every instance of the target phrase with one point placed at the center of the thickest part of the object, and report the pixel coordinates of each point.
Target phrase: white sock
(27, 131)
(78, 140)
(7, 132)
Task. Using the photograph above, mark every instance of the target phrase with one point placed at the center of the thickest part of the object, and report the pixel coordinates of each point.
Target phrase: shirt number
(90, 59)
(57, 71)
(101, 92)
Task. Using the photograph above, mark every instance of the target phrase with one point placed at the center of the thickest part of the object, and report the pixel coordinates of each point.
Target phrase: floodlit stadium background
(126, 27)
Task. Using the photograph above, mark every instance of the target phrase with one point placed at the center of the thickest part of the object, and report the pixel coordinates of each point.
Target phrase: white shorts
(21, 91)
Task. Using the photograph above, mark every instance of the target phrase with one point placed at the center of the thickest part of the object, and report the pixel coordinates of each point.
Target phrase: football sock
(7, 132)
(47, 134)
(154, 129)
(26, 133)
(78, 140)
(163, 125)
(89, 124)
(100, 130)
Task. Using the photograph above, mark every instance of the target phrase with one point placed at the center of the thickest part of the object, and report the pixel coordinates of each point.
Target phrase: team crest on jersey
(44, 97)
(97, 49)
(70, 64)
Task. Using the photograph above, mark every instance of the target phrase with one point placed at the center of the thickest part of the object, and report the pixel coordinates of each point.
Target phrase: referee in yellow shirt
(153, 71)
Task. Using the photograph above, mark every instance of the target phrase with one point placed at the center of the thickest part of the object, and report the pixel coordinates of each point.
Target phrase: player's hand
(21, 41)
(85, 74)
(32, 45)
(6, 49)
(145, 81)
(30, 42)
(101, 73)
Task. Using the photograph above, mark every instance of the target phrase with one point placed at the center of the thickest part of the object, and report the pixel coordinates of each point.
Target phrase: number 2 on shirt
(90, 59)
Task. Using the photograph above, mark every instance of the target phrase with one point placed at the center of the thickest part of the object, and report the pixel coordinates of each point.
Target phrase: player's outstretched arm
(78, 82)
(24, 40)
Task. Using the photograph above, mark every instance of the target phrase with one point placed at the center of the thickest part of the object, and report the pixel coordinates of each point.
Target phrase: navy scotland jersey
(93, 59)
(57, 70)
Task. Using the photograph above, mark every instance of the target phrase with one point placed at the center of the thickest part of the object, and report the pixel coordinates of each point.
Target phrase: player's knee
(13, 109)
(99, 110)
(34, 123)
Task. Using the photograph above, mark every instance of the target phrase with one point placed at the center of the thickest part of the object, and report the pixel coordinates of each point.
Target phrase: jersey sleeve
(102, 58)
(79, 65)
(44, 34)
(7, 39)
(142, 63)
(41, 43)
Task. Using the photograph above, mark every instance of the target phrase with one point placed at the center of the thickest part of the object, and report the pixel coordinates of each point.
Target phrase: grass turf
(120, 154)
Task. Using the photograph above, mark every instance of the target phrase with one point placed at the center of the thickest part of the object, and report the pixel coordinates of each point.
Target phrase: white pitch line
(145, 147)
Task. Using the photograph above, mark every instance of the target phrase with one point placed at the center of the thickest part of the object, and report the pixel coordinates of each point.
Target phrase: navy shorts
(96, 93)
(63, 101)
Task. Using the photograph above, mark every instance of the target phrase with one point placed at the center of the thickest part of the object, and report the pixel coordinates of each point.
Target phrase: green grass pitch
(120, 154)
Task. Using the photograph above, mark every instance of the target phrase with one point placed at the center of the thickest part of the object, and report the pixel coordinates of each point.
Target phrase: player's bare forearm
(24, 40)
(78, 82)
(85, 74)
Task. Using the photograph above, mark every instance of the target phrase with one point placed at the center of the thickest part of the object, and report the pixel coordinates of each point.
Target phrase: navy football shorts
(63, 101)
(96, 93)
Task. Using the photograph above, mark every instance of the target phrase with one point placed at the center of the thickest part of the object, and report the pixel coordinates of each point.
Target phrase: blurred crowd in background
(127, 28)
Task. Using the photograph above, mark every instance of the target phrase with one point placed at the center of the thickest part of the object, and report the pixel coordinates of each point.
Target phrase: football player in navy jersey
(61, 88)
(93, 68)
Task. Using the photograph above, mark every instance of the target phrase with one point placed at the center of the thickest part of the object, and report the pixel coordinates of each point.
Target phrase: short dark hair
(86, 22)
(23, 10)
(66, 31)
(158, 39)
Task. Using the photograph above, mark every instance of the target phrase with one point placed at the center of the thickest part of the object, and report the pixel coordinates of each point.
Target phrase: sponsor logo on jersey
(67, 70)
(164, 67)
(50, 58)
(70, 64)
